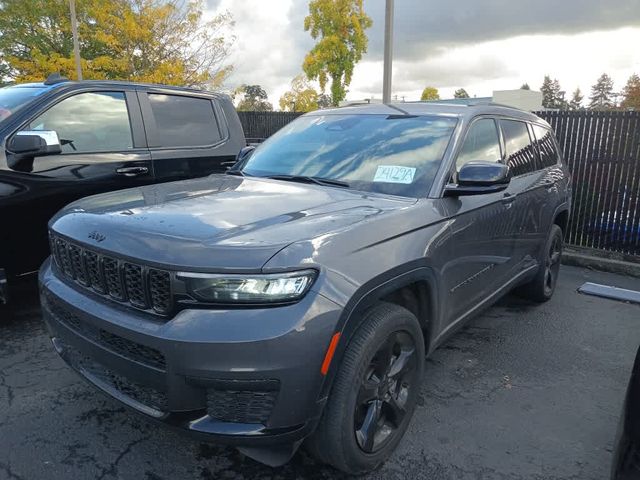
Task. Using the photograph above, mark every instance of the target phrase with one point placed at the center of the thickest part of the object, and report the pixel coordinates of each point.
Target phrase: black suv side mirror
(34, 143)
(480, 177)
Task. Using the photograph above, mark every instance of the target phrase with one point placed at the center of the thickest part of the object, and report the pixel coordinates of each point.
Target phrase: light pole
(388, 52)
(74, 32)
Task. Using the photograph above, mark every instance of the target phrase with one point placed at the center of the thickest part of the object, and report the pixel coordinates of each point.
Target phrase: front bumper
(245, 377)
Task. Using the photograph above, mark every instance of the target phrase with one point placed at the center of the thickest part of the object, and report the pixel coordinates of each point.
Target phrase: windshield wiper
(307, 179)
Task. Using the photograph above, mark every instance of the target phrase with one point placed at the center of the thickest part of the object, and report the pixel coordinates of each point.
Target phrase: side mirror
(477, 178)
(34, 143)
(245, 153)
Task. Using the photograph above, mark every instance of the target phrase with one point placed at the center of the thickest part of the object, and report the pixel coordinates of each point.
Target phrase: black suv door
(187, 134)
(103, 148)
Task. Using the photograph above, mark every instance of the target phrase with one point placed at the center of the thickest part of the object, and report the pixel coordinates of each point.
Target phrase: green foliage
(252, 98)
(430, 93)
(160, 41)
(552, 94)
(301, 98)
(461, 93)
(576, 100)
(631, 93)
(602, 93)
(339, 28)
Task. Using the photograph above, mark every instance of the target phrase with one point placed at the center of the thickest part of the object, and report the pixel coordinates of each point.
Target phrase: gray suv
(295, 297)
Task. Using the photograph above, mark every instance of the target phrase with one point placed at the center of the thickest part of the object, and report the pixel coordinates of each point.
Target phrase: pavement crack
(113, 468)
(11, 474)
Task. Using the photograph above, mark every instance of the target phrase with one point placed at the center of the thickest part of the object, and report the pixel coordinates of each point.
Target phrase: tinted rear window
(183, 121)
(546, 146)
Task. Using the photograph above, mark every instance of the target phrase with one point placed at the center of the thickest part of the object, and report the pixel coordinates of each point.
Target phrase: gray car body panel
(466, 250)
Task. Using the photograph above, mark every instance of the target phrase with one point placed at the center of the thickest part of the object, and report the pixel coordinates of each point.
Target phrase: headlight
(269, 288)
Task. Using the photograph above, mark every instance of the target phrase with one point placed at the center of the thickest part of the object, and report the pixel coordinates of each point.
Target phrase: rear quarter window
(520, 154)
(546, 146)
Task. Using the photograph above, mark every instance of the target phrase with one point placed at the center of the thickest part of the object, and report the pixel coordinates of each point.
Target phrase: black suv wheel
(541, 288)
(374, 394)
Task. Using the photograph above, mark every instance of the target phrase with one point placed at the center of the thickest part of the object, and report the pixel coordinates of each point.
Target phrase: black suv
(295, 297)
(62, 140)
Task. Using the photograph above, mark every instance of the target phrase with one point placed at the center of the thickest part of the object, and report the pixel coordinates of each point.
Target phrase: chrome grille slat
(126, 282)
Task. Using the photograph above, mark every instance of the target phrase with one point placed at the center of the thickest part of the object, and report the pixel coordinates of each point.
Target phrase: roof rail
(54, 78)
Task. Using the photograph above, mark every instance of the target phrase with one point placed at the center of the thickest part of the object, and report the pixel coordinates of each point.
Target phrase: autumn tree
(461, 93)
(430, 93)
(252, 98)
(631, 93)
(552, 94)
(301, 98)
(339, 27)
(602, 93)
(160, 41)
(324, 101)
(576, 100)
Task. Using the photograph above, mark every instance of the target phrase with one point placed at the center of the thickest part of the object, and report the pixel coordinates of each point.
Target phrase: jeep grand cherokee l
(295, 297)
(63, 140)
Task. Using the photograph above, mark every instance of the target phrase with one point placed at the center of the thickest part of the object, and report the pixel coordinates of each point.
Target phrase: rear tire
(541, 288)
(374, 393)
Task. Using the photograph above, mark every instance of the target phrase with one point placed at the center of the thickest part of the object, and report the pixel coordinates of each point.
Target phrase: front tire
(374, 393)
(541, 288)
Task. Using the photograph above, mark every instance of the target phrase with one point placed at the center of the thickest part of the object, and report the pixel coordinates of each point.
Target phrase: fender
(370, 293)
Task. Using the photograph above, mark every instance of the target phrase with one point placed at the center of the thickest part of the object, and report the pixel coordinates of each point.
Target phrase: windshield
(391, 154)
(14, 98)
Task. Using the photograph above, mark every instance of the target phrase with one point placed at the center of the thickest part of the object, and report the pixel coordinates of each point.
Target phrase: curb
(595, 262)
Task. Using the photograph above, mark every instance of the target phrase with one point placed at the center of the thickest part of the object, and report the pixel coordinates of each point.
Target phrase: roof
(109, 83)
(466, 110)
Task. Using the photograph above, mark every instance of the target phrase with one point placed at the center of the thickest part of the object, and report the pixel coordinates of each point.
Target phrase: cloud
(421, 26)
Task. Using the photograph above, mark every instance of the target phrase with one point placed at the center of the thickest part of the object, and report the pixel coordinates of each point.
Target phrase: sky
(478, 45)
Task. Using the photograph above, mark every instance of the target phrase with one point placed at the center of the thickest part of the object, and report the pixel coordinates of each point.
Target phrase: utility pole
(76, 46)
(388, 52)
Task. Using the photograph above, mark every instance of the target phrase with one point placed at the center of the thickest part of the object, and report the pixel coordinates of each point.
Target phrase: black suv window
(520, 154)
(546, 146)
(481, 143)
(89, 122)
(184, 121)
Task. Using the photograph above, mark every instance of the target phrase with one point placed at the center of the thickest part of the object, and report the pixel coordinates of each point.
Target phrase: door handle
(132, 171)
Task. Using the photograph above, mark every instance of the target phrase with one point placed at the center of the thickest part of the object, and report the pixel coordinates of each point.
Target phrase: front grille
(127, 348)
(143, 394)
(126, 282)
(240, 406)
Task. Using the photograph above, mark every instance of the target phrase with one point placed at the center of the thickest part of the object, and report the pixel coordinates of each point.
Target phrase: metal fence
(602, 150)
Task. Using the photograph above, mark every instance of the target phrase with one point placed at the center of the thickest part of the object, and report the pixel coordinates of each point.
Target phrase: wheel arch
(413, 286)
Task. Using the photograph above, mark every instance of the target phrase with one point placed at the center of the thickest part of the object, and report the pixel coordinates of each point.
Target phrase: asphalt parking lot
(523, 392)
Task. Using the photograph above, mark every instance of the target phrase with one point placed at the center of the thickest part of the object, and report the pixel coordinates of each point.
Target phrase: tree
(324, 101)
(460, 93)
(525, 86)
(576, 100)
(430, 93)
(339, 28)
(552, 94)
(253, 98)
(602, 93)
(301, 98)
(631, 93)
(161, 41)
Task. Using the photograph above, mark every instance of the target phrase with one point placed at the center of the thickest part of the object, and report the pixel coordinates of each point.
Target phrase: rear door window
(183, 121)
(520, 154)
(546, 146)
(481, 143)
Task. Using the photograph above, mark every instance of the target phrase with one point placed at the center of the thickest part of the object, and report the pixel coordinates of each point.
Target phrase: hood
(220, 222)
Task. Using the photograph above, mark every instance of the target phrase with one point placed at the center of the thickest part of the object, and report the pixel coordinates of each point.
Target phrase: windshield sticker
(394, 174)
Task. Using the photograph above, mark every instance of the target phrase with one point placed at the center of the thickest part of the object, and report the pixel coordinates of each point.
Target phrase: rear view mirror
(34, 143)
(476, 178)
